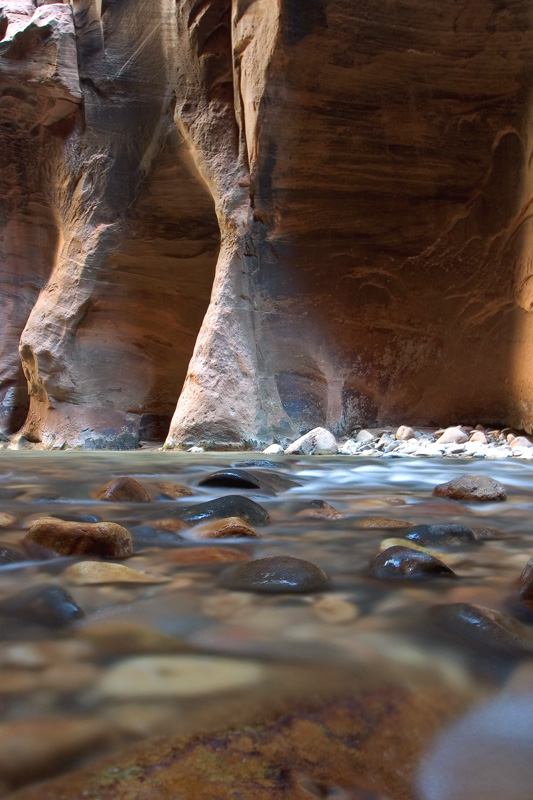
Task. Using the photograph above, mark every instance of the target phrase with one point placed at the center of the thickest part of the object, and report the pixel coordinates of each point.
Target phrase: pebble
(450, 534)
(229, 528)
(106, 539)
(478, 436)
(349, 448)
(94, 572)
(149, 536)
(32, 749)
(318, 442)
(7, 520)
(274, 574)
(447, 558)
(383, 522)
(117, 636)
(404, 433)
(453, 435)
(37, 655)
(335, 610)
(195, 449)
(364, 436)
(405, 563)
(177, 676)
(472, 487)
(273, 450)
(123, 490)
(231, 505)
(173, 491)
(43, 605)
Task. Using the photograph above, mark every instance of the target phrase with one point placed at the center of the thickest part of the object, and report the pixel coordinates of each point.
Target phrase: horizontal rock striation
(340, 191)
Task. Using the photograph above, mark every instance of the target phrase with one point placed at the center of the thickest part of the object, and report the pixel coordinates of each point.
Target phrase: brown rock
(472, 487)
(85, 573)
(525, 584)
(174, 490)
(106, 539)
(169, 524)
(383, 522)
(274, 575)
(352, 741)
(123, 490)
(229, 528)
(319, 509)
(7, 520)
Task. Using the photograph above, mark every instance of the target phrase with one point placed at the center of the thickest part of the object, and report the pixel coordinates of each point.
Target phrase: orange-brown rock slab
(372, 741)
(107, 539)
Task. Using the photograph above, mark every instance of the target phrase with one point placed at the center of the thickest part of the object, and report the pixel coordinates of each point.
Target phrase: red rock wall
(367, 169)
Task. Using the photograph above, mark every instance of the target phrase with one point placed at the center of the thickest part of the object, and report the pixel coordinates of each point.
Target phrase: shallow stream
(128, 667)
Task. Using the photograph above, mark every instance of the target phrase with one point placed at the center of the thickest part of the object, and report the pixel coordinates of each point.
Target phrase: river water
(126, 669)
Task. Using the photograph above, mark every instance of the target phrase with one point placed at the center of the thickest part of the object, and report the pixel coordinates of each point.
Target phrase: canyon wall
(285, 213)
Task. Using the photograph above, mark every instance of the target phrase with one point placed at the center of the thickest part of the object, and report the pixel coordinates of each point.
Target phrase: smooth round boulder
(480, 627)
(106, 539)
(404, 563)
(233, 478)
(123, 490)
(274, 574)
(472, 487)
(229, 528)
(231, 505)
(447, 534)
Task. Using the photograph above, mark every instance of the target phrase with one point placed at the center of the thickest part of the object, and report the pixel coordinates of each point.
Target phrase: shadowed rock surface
(348, 183)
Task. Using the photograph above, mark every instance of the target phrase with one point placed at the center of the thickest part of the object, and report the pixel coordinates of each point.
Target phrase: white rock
(273, 450)
(453, 435)
(404, 433)
(177, 676)
(478, 436)
(318, 442)
(365, 436)
(521, 441)
(350, 447)
(195, 449)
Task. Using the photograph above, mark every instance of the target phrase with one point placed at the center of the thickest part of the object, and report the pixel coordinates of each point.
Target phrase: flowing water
(129, 668)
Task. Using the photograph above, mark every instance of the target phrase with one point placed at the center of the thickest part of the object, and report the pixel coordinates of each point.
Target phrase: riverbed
(182, 651)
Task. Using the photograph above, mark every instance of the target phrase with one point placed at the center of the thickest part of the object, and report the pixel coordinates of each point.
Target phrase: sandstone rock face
(348, 183)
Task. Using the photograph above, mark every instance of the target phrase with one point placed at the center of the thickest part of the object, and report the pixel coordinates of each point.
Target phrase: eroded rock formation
(360, 174)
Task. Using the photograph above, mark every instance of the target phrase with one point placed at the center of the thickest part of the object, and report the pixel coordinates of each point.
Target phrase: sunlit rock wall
(359, 172)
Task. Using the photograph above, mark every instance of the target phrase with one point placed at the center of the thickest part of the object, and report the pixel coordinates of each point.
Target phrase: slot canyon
(225, 222)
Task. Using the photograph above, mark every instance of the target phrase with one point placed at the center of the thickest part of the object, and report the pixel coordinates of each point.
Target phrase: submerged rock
(405, 563)
(44, 605)
(229, 528)
(382, 522)
(10, 556)
(472, 487)
(106, 539)
(177, 676)
(450, 534)
(232, 478)
(123, 490)
(274, 574)
(173, 491)
(231, 505)
(477, 627)
(85, 573)
(318, 442)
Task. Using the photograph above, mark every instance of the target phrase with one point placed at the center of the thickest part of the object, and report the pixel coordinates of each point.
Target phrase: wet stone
(382, 522)
(229, 528)
(274, 574)
(525, 584)
(477, 626)
(173, 491)
(150, 536)
(404, 563)
(7, 520)
(232, 505)
(123, 490)
(472, 487)
(44, 605)
(10, 556)
(231, 478)
(85, 573)
(450, 534)
(206, 555)
(319, 509)
(106, 539)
